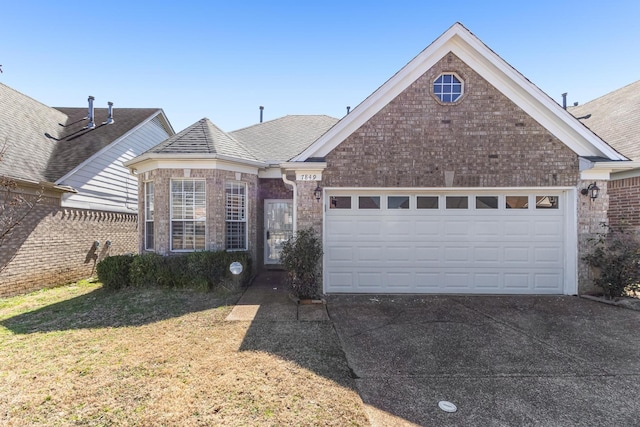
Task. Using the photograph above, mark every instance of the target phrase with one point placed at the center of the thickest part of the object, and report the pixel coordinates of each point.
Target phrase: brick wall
(215, 193)
(624, 199)
(54, 246)
(485, 139)
(591, 215)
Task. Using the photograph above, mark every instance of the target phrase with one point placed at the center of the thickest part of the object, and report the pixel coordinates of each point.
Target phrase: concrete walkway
(267, 299)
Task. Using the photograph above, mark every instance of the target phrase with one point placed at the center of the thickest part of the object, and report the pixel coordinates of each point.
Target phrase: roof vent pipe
(348, 109)
(564, 100)
(110, 118)
(261, 110)
(90, 116)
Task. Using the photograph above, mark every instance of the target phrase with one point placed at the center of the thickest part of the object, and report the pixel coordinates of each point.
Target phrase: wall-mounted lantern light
(318, 193)
(592, 191)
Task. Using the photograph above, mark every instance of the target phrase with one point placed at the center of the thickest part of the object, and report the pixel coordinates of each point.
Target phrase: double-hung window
(148, 216)
(188, 214)
(236, 216)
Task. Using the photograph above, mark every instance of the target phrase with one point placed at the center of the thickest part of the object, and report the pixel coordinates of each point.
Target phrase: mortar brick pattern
(54, 246)
(624, 199)
(484, 138)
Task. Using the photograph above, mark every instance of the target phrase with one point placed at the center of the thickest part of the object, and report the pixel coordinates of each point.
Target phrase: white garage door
(477, 243)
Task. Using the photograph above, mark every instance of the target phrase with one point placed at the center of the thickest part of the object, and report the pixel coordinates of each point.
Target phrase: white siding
(103, 183)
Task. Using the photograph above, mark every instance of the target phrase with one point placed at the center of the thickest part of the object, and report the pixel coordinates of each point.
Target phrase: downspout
(295, 201)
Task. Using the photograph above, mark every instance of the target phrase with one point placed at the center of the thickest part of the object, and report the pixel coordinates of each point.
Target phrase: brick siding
(485, 139)
(54, 246)
(624, 199)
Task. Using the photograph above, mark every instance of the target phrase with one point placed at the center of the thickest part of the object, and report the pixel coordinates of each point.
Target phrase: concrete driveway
(509, 361)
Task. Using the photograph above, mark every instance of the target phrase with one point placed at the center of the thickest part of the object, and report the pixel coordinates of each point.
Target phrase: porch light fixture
(318, 193)
(592, 190)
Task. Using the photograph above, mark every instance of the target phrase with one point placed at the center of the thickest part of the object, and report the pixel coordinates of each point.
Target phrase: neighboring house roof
(43, 144)
(281, 139)
(466, 46)
(78, 144)
(205, 138)
(615, 117)
(23, 124)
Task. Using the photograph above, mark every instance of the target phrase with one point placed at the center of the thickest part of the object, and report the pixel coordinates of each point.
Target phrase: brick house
(67, 163)
(615, 117)
(457, 175)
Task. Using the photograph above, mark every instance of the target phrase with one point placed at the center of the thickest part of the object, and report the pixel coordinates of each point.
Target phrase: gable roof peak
(461, 42)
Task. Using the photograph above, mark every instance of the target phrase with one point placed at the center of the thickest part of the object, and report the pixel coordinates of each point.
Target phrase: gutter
(295, 201)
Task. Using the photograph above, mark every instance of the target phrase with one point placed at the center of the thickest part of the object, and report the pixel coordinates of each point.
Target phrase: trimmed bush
(114, 271)
(202, 270)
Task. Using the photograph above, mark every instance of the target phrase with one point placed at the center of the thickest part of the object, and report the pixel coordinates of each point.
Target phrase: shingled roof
(615, 117)
(43, 143)
(203, 137)
(23, 124)
(281, 139)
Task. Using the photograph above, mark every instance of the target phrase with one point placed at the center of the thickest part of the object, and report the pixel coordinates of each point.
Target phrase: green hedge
(196, 270)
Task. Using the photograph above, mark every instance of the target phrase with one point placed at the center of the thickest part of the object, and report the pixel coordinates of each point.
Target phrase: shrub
(203, 270)
(616, 261)
(300, 257)
(114, 271)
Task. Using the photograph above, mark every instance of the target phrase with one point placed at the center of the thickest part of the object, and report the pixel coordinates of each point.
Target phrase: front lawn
(79, 355)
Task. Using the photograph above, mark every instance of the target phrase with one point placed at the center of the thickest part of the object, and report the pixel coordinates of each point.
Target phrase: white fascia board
(492, 68)
(530, 98)
(107, 148)
(605, 170)
(270, 172)
(199, 162)
(291, 166)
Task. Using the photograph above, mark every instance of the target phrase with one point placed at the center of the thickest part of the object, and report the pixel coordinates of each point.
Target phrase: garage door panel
(457, 280)
(369, 253)
(516, 280)
(399, 254)
(340, 254)
(487, 254)
(428, 228)
(487, 281)
(548, 255)
(484, 251)
(487, 229)
(428, 254)
(456, 228)
(516, 228)
(400, 281)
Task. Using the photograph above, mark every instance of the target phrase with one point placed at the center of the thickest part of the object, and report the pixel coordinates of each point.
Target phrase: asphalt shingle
(615, 117)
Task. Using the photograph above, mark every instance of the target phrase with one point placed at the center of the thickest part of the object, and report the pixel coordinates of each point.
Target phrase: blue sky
(223, 59)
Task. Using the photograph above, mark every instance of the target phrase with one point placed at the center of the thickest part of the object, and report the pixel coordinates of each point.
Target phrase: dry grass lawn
(79, 355)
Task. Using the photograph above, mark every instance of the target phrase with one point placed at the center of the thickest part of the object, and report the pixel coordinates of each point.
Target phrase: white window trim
(437, 97)
(194, 220)
(244, 220)
(146, 218)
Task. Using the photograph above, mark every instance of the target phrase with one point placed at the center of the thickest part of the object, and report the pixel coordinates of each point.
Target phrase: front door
(278, 228)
